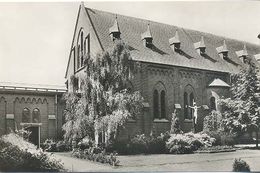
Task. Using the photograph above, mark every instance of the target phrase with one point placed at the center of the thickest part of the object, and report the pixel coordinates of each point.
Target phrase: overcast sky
(35, 38)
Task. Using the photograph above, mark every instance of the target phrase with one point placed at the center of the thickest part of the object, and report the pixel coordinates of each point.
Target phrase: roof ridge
(179, 27)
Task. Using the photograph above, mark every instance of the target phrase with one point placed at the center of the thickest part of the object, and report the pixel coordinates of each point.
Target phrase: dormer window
(223, 51)
(147, 37)
(175, 42)
(114, 31)
(200, 46)
(242, 54)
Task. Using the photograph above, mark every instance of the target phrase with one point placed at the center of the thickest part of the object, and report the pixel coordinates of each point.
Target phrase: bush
(222, 138)
(212, 122)
(16, 154)
(188, 142)
(96, 154)
(140, 144)
(62, 146)
(240, 166)
(85, 143)
(53, 146)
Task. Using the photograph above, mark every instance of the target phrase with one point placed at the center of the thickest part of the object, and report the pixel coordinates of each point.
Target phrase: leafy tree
(241, 112)
(104, 102)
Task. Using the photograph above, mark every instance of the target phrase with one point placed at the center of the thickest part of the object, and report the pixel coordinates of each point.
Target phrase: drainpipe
(56, 110)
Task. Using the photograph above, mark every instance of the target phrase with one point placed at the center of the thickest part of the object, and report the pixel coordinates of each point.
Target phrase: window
(86, 45)
(36, 116)
(163, 104)
(78, 58)
(189, 99)
(191, 104)
(26, 115)
(76, 84)
(156, 104)
(159, 102)
(213, 103)
(185, 105)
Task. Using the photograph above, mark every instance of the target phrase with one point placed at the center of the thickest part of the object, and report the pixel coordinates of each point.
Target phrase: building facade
(38, 109)
(178, 66)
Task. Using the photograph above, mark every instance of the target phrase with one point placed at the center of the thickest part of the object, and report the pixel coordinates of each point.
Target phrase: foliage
(62, 146)
(240, 166)
(212, 122)
(52, 146)
(104, 103)
(16, 154)
(188, 142)
(222, 138)
(96, 154)
(85, 143)
(217, 148)
(175, 124)
(49, 145)
(140, 144)
(241, 112)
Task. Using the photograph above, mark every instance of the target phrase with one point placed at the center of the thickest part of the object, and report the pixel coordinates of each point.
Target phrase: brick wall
(14, 103)
(174, 80)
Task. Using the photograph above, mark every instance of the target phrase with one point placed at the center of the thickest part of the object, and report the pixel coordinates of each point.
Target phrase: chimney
(200, 46)
(147, 37)
(223, 51)
(242, 54)
(175, 42)
(114, 31)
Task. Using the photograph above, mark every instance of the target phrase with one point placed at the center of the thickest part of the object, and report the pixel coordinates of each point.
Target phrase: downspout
(56, 108)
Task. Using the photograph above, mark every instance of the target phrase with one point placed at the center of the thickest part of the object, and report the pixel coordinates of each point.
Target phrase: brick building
(178, 66)
(36, 108)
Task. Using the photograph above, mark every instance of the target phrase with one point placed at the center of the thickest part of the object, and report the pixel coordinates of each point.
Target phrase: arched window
(213, 103)
(81, 40)
(78, 57)
(156, 104)
(26, 115)
(189, 99)
(163, 104)
(186, 105)
(36, 116)
(191, 104)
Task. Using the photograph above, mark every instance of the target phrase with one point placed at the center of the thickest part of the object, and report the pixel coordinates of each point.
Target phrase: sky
(35, 37)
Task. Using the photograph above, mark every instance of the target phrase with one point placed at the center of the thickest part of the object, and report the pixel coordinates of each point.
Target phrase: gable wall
(84, 22)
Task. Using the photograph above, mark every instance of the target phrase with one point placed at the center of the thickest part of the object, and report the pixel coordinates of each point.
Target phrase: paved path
(167, 162)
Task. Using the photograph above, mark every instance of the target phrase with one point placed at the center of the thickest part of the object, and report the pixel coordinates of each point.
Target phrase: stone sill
(131, 121)
(161, 121)
(188, 121)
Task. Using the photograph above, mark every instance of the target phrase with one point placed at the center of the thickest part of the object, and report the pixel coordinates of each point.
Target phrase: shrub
(85, 143)
(222, 138)
(212, 122)
(188, 142)
(228, 139)
(49, 145)
(62, 146)
(240, 166)
(140, 144)
(16, 154)
(96, 154)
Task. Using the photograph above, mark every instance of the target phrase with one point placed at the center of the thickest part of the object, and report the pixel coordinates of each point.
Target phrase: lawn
(168, 162)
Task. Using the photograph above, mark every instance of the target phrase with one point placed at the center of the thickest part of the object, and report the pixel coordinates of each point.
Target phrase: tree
(105, 102)
(241, 112)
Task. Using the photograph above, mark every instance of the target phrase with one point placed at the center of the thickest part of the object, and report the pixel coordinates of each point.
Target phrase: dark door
(34, 136)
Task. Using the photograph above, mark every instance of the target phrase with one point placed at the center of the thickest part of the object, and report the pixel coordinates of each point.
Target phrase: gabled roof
(131, 28)
(218, 83)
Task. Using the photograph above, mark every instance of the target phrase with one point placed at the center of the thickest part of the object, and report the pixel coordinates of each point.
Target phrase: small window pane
(36, 116)
(156, 104)
(26, 115)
